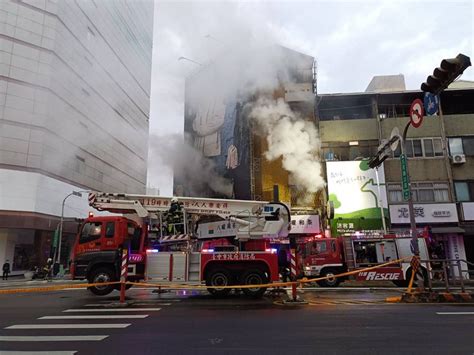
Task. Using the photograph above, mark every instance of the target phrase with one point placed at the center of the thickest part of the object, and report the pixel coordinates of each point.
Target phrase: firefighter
(175, 217)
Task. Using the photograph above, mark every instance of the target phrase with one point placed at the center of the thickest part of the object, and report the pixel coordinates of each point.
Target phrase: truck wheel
(254, 277)
(218, 277)
(102, 274)
(332, 282)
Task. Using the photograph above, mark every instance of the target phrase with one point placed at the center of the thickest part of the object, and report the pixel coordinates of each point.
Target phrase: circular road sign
(416, 113)
(431, 103)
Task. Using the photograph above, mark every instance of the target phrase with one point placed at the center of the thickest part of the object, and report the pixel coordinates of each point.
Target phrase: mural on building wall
(353, 189)
(218, 129)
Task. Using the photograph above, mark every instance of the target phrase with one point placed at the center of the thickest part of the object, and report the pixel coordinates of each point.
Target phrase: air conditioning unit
(459, 158)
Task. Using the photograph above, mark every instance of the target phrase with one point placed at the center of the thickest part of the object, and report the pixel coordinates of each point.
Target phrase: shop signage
(468, 211)
(305, 224)
(428, 213)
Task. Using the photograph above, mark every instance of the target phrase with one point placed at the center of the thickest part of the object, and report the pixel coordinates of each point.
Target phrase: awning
(446, 230)
(175, 238)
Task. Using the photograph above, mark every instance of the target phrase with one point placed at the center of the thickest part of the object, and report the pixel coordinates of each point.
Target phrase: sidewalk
(20, 282)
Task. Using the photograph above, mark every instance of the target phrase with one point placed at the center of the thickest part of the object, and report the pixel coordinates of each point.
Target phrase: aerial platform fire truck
(246, 258)
(331, 256)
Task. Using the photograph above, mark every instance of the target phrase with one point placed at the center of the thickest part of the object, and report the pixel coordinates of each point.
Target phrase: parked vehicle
(331, 256)
(244, 258)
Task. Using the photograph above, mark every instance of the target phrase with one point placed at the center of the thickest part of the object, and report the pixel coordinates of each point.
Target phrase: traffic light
(445, 74)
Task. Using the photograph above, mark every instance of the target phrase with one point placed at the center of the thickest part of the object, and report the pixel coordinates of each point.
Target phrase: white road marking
(6, 352)
(111, 310)
(70, 326)
(454, 313)
(54, 338)
(134, 304)
(128, 316)
(151, 304)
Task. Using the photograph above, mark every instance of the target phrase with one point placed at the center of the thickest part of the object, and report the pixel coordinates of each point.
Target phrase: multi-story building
(75, 82)
(440, 156)
(218, 126)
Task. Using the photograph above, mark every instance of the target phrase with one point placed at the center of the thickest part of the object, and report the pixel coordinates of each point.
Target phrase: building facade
(440, 158)
(219, 127)
(75, 82)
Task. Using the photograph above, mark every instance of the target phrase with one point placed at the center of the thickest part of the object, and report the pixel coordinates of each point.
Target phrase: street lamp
(190, 60)
(75, 193)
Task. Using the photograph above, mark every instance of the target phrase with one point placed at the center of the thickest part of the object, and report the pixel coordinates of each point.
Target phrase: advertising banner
(353, 189)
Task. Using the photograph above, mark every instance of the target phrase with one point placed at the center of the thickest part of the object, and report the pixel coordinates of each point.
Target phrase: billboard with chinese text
(353, 188)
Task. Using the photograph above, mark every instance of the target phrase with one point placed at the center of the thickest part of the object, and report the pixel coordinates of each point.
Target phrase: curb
(434, 297)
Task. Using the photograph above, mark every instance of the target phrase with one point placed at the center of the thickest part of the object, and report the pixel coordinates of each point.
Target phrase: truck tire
(102, 274)
(219, 277)
(334, 282)
(254, 277)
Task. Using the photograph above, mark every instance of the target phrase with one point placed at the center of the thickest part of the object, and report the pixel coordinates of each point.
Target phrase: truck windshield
(90, 231)
(134, 234)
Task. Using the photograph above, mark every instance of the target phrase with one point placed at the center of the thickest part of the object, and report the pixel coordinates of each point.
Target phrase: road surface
(333, 322)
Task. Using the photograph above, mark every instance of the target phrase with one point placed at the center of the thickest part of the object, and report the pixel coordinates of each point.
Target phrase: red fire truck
(244, 258)
(330, 256)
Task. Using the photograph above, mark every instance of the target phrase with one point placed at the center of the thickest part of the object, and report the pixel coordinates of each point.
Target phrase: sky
(352, 41)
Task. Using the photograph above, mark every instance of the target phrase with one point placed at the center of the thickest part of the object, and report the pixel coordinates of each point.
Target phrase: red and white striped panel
(124, 266)
(293, 263)
(92, 197)
(175, 238)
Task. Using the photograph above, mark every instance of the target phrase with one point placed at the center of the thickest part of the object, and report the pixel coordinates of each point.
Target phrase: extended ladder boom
(256, 218)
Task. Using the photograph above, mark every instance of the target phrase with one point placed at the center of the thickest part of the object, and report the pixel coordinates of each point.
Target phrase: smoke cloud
(293, 139)
(195, 172)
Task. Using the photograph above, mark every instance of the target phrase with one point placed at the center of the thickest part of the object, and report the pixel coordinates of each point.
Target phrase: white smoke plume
(195, 172)
(293, 139)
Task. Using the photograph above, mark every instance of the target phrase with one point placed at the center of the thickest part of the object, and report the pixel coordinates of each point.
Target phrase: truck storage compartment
(164, 266)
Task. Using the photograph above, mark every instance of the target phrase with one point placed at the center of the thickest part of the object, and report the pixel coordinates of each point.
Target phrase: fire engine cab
(243, 258)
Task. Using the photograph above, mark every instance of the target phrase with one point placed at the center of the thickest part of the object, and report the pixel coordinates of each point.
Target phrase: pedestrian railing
(453, 273)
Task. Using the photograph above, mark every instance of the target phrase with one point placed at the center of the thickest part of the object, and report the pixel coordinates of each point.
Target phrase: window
(437, 147)
(421, 192)
(428, 146)
(464, 191)
(90, 232)
(110, 230)
(468, 145)
(417, 148)
(395, 193)
(318, 248)
(422, 147)
(134, 234)
(461, 145)
(455, 146)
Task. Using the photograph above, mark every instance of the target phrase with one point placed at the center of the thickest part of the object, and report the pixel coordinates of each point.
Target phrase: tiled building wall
(75, 90)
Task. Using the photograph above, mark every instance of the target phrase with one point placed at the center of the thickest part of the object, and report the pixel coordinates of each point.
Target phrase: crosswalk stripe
(453, 313)
(7, 352)
(69, 326)
(114, 316)
(111, 310)
(54, 338)
(135, 304)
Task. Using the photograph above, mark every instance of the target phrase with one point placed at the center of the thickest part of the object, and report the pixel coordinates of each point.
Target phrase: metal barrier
(446, 272)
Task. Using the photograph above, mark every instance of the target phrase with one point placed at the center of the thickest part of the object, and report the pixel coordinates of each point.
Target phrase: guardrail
(449, 271)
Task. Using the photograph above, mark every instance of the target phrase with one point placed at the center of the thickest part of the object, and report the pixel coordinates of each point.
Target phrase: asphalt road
(334, 322)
